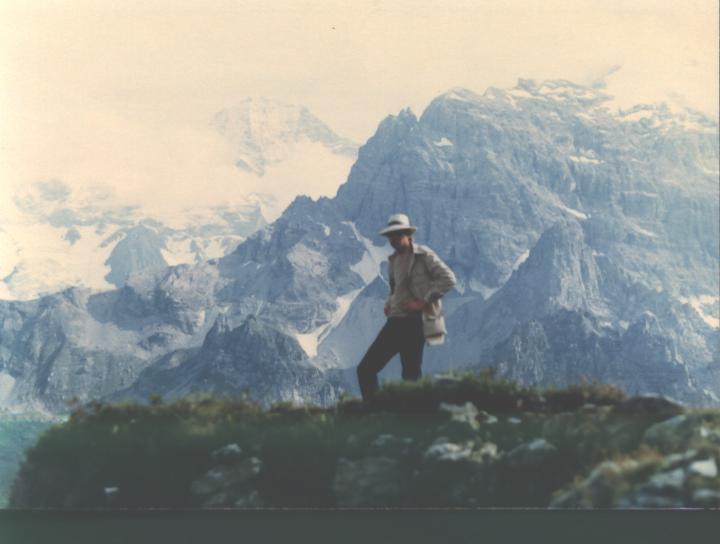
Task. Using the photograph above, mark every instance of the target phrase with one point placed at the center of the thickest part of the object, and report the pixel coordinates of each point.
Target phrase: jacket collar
(417, 249)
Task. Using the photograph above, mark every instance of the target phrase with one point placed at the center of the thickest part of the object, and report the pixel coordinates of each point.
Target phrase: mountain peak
(460, 94)
(264, 132)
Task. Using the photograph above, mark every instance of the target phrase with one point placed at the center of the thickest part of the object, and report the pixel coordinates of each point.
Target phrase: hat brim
(396, 228)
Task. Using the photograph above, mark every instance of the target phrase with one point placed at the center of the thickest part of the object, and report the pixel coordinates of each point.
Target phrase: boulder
(370, 481)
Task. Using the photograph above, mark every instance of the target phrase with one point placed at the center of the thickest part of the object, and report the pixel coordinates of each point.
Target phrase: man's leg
(411, 350)
(385, 346)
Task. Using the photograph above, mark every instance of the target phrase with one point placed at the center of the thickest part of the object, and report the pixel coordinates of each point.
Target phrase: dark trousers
(403, 335)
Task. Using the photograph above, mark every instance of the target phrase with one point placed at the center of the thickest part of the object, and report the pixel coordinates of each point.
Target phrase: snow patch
(178, 252)
(643, 231)
(575, 213)
(699, 303)
(521, 259)
(309, 341)
(520, 93)
(443, 142)
(637, 115)
(456, 95)
(343, 305)
(368, 267)
(584, 160)
(37, 259)
(7, 382)
(479, 287)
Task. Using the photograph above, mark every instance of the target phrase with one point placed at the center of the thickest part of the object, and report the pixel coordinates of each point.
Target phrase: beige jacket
(430, 279)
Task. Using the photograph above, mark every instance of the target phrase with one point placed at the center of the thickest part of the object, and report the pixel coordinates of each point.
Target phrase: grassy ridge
(379, 454)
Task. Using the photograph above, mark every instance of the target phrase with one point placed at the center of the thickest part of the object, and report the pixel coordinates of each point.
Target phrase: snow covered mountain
(80, 238)
(264, 132)
(47, 255)
(585, 241)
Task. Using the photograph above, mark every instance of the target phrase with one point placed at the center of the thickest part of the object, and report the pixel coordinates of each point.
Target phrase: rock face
(253, 359)
(585, 243)
(139, 250)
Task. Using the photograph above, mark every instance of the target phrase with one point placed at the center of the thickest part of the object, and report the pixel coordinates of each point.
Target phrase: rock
(383, 439)
(706, 498)
(535, 453)
(245, 470)
(256, 359)
(566, 499)
(682, 431)
(602, 483)
(388, 444)
(713, 435)
(596, 491)
(677, 459)
(484, 417)
(706, 468)
(249, 500)
(448, 451)
(217, 500)
(514, 420)
(488, 452)
(604, 470)
(669, 481)
(370, 481)
(643, 484)
(227, 453)
(467, 413)
(109, 491)
(669, 434)
(227, 476)
(211, 482)
(111, 494)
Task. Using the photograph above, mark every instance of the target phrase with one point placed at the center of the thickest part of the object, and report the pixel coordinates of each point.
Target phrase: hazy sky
(120, 92)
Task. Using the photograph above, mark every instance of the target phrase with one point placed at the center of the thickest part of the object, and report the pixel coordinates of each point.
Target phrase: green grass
(154, 452)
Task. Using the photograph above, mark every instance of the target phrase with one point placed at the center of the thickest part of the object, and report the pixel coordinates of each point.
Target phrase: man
(418, 278)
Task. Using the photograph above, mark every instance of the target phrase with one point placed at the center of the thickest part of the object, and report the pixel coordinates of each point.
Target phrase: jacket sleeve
(442, 278)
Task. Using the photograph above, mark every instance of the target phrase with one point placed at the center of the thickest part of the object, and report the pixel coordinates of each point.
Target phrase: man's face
(399, 240)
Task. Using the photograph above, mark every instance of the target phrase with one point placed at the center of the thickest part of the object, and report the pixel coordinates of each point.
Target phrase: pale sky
(120, 92)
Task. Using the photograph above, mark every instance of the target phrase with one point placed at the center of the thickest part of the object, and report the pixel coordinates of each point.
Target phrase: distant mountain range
(70, 239)
(585, 242)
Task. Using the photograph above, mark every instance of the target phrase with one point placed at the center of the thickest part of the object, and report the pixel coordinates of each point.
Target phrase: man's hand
(415, 304)
(387, 309)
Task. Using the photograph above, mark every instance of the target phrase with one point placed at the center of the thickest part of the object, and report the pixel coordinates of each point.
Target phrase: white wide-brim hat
(398, 221)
